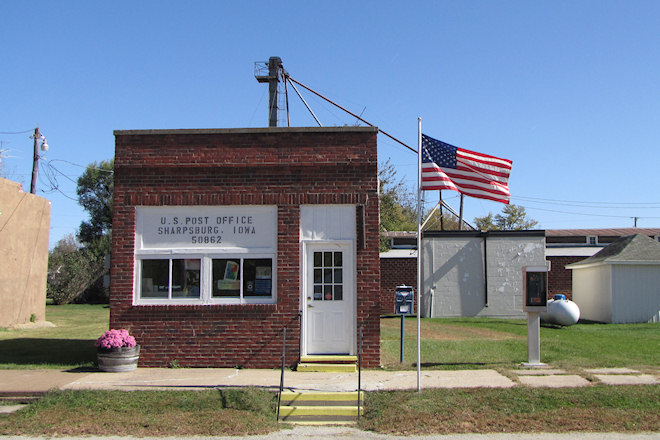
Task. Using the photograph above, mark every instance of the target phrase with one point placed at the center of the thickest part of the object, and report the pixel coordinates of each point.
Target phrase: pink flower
(115, 339)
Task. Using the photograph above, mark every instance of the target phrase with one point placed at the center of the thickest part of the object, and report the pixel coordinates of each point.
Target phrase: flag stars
(444, 155)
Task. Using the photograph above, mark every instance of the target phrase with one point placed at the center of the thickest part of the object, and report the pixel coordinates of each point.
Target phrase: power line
(585, 213)
(17, 132)
(588, 204)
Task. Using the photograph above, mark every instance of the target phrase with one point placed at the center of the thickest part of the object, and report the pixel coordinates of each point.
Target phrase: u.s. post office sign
(191, 227)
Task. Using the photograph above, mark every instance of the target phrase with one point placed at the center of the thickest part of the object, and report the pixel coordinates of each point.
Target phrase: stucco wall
(466, 284)
(24, 228)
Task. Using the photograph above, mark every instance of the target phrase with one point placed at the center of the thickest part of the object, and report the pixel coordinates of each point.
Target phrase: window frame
(261, 244)
(206, 278)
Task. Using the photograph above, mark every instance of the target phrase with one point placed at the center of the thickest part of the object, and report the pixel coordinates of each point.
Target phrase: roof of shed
(628, 249)
(608, 232)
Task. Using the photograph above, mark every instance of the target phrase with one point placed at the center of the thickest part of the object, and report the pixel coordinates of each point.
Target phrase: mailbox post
(535, 301)
(404, 305)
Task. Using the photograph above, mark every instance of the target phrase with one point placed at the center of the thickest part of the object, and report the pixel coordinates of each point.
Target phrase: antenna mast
(272, 78)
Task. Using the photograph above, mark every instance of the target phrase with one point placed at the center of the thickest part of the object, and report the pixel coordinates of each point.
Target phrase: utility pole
(35, 161)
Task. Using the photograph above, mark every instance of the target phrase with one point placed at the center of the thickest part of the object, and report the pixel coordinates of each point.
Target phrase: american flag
(473, 174)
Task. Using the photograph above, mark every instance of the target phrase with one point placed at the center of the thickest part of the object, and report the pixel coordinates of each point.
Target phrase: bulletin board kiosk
(535, 301)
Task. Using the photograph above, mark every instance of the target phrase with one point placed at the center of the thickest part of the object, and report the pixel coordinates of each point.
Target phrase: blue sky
(568, 90)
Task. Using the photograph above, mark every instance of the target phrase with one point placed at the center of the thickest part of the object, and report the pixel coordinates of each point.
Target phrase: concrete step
(20, 397)
(328, 359)
(329, 398)
(320, 408)
(327, 368)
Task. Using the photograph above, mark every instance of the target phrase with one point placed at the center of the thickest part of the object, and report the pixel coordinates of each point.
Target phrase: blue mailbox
(404, 300)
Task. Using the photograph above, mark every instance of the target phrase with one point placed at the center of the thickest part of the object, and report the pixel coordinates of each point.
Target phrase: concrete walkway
(25, 382)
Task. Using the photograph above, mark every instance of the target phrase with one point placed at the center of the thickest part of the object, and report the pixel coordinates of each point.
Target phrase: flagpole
(419, 252)
(460, 215)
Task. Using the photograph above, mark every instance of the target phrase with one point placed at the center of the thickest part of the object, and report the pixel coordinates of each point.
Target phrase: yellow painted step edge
(318, 411)
(328, 358)
(327, 368)
(327, 396)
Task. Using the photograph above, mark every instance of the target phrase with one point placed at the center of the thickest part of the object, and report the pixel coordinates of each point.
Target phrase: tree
(71, 270)
(397, 203)
(95, 189)
(513, 217)
(446, 222)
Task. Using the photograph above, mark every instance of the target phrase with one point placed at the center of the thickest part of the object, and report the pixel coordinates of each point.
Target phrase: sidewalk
(25, 382)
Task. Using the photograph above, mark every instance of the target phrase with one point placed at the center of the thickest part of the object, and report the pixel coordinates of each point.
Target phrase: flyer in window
(231, 271)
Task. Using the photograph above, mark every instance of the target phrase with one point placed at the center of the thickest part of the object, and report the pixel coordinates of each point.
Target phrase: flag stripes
(468, 172)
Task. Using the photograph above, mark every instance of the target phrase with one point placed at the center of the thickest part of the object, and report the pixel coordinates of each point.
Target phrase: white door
(329, 297)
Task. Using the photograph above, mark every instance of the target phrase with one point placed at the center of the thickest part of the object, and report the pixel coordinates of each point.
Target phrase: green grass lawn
(68, 345)
(463, 343)
(599, 408)
(447, 343)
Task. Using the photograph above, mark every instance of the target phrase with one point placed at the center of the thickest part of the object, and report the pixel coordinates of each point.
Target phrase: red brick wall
(395, 272)
(283, 167)
(560, 279)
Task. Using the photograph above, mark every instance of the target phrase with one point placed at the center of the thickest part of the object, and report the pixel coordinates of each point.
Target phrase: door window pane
(339, 293)
(328, 276)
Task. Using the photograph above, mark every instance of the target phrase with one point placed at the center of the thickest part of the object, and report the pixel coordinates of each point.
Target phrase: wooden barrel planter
(118, 360)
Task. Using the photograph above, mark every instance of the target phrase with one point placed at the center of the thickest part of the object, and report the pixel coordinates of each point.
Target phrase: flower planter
(118, 360)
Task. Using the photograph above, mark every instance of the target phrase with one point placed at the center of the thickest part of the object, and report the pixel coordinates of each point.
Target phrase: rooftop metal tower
(274, 66)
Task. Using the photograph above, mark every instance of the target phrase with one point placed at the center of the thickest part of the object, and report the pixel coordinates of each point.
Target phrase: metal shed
(621, 283)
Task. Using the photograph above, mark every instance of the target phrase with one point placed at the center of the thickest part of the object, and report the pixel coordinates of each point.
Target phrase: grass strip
(520, 409)
(467, 343)
(248, 411)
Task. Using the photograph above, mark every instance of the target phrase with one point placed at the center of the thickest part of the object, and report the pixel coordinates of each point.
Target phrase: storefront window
(171, 278)
(155, 278)
(231, 280)
(185, 278)
(226, 278)
(257, 277)
(205, 255)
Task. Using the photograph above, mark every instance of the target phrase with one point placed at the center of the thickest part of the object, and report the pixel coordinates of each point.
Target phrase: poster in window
(231, 271)
(262, 282)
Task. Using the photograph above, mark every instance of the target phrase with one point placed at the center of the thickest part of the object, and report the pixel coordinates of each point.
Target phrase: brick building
(398, 266)
(223, 237)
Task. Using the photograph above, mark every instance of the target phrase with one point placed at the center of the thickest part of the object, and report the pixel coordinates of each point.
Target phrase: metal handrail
(359, 373)
(279, 395)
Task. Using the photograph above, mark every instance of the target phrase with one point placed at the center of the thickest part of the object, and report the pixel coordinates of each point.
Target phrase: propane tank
(561, 311)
